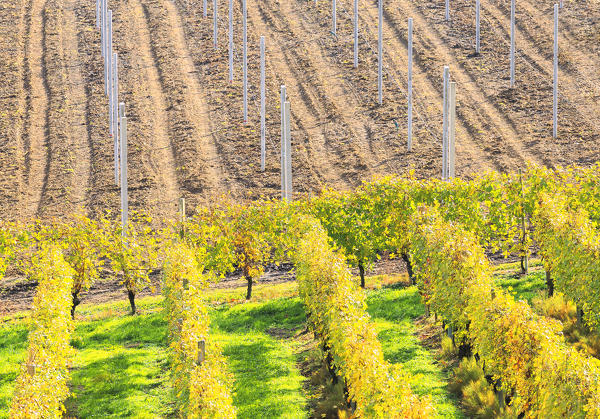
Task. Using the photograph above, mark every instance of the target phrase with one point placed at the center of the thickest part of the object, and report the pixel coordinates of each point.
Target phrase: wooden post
(182, 214)
(263, 152)
(31, 369)
(451, 129)
(410, 82)
(201, 352)
(555, 78)
(524, 258)
(380, 55)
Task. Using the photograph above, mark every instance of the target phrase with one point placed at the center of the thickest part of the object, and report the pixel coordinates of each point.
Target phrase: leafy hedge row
(523, 350)
(570, 247)
(336, 308)
(41, 387)
(202, 386)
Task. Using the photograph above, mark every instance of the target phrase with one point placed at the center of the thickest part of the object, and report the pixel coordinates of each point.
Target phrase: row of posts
(117, 120)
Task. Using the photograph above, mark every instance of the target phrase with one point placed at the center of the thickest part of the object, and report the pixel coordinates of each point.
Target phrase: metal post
(477, 27)
(124, 192)
(205, 8)
(355, 33)
(215, 23)
(288, 153)
(452, 130)
(445, 124)
(380, 55)
(512, 43)
(333, 17)
(283, 172)
(447, 10)
(410, 82)
(97, 14)
(262, 105)
(231, 41)
(245, 59)
(115, 113)
(109, 55)
(555, 81)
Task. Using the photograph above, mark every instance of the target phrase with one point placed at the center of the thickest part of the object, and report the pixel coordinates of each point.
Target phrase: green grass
(393, 312)
(13, 345)
(524, 287)
(258, 342)
(121, 367)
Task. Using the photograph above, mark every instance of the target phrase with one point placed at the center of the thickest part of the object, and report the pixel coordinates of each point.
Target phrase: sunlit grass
(393, 312)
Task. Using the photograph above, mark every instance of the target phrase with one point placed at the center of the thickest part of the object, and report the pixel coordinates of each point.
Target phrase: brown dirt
(187, 137)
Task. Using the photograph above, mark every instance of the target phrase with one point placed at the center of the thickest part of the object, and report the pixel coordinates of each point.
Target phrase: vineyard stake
(245, 59)
(205, 8)
(262, 105)
(512, 43)
(109, 70)
(215, 23)
(410, 82)
(124, 192)
(182, 216)
(288, 153)
(380, 55)
(115, 112)
(445, 123)
(230, 41)
(477, 27)
(283, 177)
(555, 81)
(201, 352)
(447, 10)
(333, 17)
(355, 33)
(452, 129)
